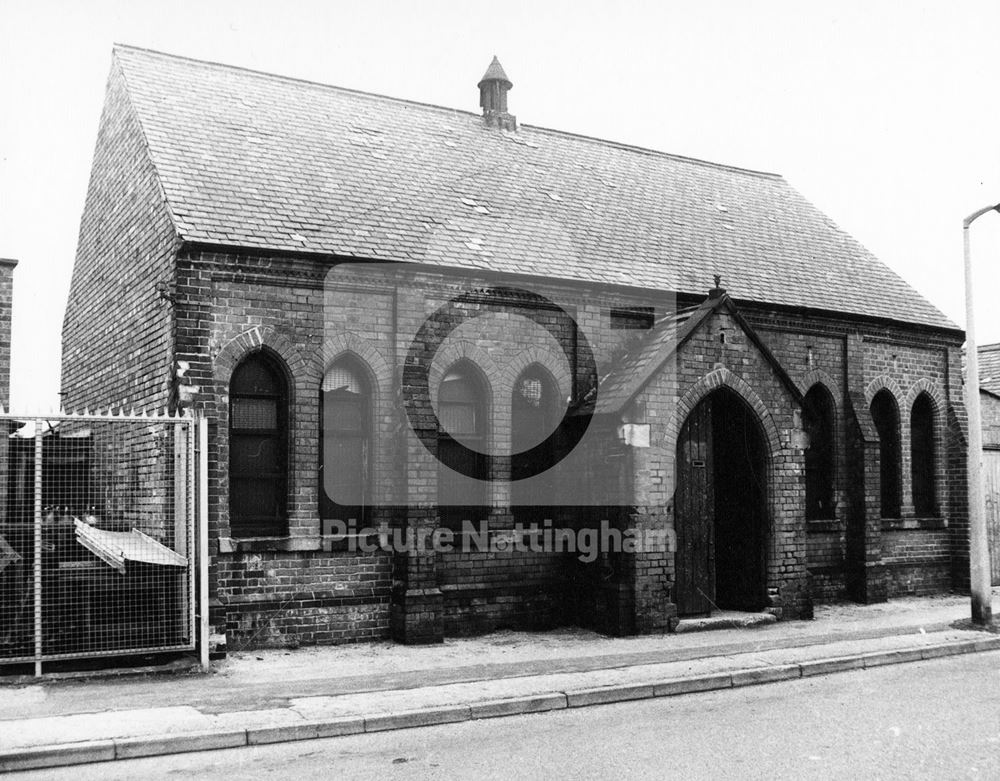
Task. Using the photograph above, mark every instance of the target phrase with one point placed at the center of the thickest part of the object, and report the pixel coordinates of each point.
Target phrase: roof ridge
(296, 79)
(657, 152)
(555, 131)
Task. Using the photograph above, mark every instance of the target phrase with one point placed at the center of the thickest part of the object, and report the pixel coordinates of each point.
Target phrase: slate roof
(989, 368)
(272, 163)
(633, 370)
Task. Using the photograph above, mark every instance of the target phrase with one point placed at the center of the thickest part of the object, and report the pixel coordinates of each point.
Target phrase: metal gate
(98, 535)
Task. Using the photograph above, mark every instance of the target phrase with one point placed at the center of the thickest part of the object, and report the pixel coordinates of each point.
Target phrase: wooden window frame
(261, 525)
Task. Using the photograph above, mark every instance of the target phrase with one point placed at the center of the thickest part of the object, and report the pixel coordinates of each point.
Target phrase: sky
(883, 114)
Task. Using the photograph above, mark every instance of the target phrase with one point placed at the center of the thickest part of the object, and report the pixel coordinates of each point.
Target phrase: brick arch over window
(924, 385)
(463, 350)
(719, 378)
(884, 382)
(280, 344)
(551, 361)
(256, 338)
(335, 349)
(820, 377)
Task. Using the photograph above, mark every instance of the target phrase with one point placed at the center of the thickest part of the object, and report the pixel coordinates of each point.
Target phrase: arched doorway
(720, 508)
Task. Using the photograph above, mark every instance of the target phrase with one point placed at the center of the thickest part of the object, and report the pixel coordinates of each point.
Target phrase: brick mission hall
(263, 250)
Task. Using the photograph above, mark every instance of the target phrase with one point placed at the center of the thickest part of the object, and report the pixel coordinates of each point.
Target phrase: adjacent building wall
(7, 266)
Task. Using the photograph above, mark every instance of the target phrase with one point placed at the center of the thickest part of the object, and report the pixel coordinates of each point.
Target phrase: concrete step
(725, 619)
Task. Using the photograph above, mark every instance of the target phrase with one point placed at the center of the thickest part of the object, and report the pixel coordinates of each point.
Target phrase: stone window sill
(823, 525)
(340, 542)
(901, 524)
(262, 544)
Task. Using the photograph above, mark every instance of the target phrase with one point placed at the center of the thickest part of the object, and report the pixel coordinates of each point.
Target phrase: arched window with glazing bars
(258, 447)
(345, 443)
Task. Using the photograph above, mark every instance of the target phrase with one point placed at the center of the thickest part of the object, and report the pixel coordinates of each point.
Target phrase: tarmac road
(933, 719)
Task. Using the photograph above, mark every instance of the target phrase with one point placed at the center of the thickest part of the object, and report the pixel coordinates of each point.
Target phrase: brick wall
(230, 305)
(485, 591)
(916, 561)
(812, 355)
(290, 590)
(303, 598)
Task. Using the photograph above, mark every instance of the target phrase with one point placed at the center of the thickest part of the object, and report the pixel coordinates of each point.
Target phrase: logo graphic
(436, 329)
(470, 392)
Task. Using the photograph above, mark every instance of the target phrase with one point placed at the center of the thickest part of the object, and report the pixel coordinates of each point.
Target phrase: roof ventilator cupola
(493, 88)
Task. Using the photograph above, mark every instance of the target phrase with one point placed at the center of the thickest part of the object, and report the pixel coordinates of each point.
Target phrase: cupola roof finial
(493, 89)
(495, 73)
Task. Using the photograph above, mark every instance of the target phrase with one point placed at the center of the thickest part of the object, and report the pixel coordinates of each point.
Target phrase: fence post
(38, 548)
(191, 509)
(203, 556)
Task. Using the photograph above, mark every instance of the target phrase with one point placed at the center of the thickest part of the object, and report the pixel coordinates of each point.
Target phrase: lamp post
(979, 555)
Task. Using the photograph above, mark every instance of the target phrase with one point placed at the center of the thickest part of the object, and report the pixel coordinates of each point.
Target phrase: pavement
(283, 695)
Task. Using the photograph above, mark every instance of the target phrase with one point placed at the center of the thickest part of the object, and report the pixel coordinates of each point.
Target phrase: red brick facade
(289, 590)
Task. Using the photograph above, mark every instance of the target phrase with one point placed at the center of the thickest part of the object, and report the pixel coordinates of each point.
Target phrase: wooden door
(694, 512)
(991, 487)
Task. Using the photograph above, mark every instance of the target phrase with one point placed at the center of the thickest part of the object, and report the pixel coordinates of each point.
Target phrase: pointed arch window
(258, 448)
(462, 474)
(533, 417)
(345, 434)
(885, 415)
(923, 457)
(818, 420)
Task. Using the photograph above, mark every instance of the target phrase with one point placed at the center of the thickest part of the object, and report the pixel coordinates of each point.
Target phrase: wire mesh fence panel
(96, 536)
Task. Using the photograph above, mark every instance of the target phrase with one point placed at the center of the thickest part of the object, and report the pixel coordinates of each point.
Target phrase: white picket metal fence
(103, 536)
